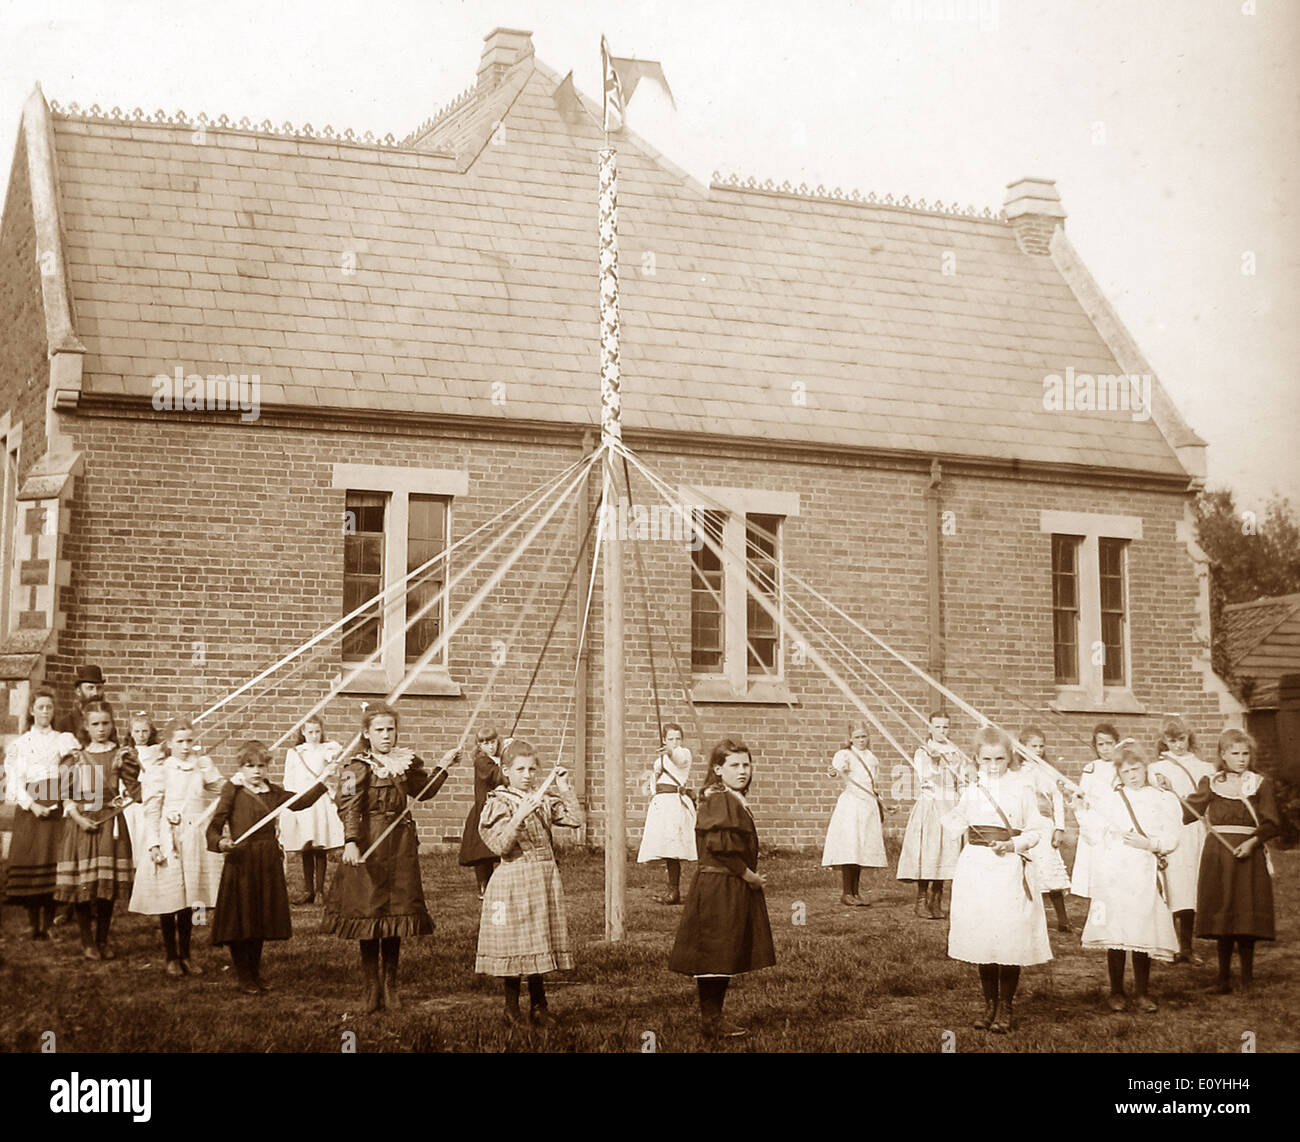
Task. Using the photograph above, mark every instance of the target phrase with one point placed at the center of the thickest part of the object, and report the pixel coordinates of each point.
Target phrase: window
(708, 620)
(1090, 609)
(363, 572)
(1114, 621)
(396, 520)
(736, 643)
(426, 536)
(763, 567)
(1065, 607)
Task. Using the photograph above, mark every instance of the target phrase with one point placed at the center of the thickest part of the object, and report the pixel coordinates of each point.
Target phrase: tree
(1251, 557)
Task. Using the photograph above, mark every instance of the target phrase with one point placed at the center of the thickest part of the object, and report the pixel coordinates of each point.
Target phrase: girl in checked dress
(312, 830)
(855, 838)
(1183, 771)
(929, 854)
(1131, 829)
(177, 871)
(95, 853)
(669, 832)
(522, 930)
(997, 921)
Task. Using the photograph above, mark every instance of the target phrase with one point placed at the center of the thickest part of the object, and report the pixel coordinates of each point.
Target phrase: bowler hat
(89, 674)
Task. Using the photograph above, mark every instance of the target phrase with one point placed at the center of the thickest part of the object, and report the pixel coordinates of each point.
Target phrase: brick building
(871, 378)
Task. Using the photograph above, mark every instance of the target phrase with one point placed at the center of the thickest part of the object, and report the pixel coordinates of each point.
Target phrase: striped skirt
(33, 856)
(96, 865)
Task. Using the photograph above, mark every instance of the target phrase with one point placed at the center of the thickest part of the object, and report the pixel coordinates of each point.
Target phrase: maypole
(611, 434)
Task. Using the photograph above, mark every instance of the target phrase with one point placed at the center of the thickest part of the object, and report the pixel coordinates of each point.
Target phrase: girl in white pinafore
(315, 830)
(1178, 765)
(669, 833)
(1098, 777)
(147, 752)
(1131, 827)
(997, 921)
(855, 837)
(1048, 873)
(178, 871)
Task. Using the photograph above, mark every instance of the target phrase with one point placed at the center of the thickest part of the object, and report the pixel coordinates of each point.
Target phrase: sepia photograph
(638, 528)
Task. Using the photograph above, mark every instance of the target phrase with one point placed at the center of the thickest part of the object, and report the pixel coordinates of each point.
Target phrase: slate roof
(478, 265)
(1246, 625)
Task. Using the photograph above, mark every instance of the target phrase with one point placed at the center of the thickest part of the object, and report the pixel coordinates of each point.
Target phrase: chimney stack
(1033, 207)
(502, 49)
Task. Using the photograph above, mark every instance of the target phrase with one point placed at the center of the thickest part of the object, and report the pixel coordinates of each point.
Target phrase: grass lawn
(872, 979)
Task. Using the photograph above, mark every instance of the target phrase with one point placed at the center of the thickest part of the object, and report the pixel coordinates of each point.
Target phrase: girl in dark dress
(1234, 894)
(724, 929)
(380, 899)
(253, 900)
(474, 852)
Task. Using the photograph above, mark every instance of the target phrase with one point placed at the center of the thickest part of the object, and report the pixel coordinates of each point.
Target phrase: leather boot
(985, 1021)
(1004, 1021)
(932, 902)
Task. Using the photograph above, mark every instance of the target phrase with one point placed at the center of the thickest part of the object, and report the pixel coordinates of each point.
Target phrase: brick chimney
(1033, 207)
(502, 49)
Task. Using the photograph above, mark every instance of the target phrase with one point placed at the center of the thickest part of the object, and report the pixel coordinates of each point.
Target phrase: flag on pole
(613, 88)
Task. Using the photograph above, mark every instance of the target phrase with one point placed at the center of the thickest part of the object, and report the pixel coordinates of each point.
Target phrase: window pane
(762, 565)
(1065, 608)
(1114, 607)
(363, 571)
(707, 619)
(426, 537)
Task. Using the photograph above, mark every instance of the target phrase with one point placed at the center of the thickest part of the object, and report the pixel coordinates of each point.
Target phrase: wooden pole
(611, 432)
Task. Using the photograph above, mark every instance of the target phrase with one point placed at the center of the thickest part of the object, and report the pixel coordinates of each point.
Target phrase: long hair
(717, 756)
(315, 719)
(1232, 737)
(372, 710)
(99, 706)
(1174, 727)
(143, 716)
(1103, 728)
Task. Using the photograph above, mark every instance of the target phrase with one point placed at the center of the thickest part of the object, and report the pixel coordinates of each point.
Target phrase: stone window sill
(718, 691)
(1115, 700)
(432, 682)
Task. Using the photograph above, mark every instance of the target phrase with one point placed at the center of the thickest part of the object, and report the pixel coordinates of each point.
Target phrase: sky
(1170, 127)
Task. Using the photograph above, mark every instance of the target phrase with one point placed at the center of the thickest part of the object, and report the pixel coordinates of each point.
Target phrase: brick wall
(201, 552)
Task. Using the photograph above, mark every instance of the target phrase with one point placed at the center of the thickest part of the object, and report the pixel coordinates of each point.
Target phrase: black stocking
(674, 868)
(1246, 950)
(989, 982)
(309, 871)
(713, 990)
(1008, 980)
(536, 991)
(1141, 973)
(1186, 922)
(1115, 969)
(103, 918)
(167, 921)
(846, 879)
(1224, 945)
(184, 927)
(512, 994)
